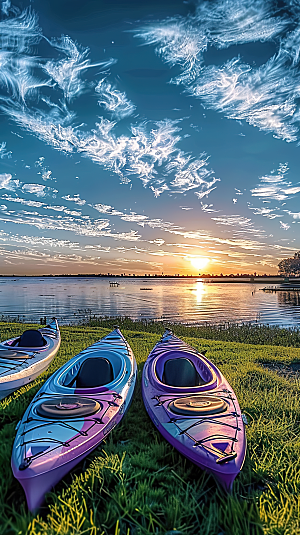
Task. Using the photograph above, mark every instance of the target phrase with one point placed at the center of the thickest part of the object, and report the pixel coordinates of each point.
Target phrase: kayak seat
(180, 372)
(93, 372)
(30, 338)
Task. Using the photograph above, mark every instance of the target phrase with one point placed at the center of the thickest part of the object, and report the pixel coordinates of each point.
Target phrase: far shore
(259, 279)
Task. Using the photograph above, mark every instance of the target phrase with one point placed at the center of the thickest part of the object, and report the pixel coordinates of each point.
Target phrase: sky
(149, 137)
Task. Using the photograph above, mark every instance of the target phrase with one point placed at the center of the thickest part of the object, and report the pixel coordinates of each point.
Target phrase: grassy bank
(246, 333)
(136, 484)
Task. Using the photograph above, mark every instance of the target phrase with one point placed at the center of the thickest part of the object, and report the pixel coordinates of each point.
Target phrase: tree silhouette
(290, 266)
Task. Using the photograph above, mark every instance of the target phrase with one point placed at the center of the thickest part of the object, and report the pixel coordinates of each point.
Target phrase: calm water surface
(190, 301)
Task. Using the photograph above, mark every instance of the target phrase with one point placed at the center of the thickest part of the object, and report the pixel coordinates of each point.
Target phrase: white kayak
(25, 357)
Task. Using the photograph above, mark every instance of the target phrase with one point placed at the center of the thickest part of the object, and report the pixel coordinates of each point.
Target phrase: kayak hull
(65, 422)
(204, 421)
(20, 365)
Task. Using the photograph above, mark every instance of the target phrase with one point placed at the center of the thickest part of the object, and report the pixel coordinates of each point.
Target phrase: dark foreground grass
(137, 484)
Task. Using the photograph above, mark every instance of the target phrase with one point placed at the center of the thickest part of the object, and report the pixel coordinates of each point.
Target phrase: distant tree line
(290, 266)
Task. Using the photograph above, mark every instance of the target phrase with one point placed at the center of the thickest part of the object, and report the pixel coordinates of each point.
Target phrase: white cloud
(274, 186)
(243, 223)
(7, 182)
(36, 189)
(79, 225)
(150, 152)
(139, 219)
(66, 72)
(19, 33)
(265, 96)
(3, 152)
(114, 101)
(208, 208)
(294, 215)
(75, 198)
(265, 212)
(27, 202)
(284, 226)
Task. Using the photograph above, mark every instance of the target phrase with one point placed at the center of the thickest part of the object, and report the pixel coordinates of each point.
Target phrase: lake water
(190, 301)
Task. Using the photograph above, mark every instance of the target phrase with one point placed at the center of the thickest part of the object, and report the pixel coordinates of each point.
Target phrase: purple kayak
(72, 413)
(194, 408)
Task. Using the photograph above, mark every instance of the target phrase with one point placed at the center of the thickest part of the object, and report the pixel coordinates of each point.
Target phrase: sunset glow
(199, 262)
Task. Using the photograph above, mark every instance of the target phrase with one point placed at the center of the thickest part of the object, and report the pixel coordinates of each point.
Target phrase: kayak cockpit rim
(34, 340)
(207, 376)
(12, 345)
(68, 376)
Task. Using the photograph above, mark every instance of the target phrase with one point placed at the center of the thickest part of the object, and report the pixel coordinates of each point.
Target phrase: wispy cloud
(208, 208)
(37, 241)
(26, 202)
(36, 189)
(294, 215)
(19, 33)
(265, 212)
(7, 182)
(44, 170)
(265, 96)
(3, 152)
(275, 187)
(33, 100)
(139, 219)
(240, 222)
(284, 226)
(75, 198)
(66, 72)
(114, 101)
(77, 225)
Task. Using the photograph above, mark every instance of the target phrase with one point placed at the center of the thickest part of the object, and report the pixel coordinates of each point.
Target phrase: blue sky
(149, 138)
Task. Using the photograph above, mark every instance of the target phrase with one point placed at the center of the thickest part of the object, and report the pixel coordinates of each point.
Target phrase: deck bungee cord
(216, 419)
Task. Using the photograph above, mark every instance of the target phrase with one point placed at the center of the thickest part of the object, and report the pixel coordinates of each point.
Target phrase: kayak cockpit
(93, 369)
(181, 372)
(181, 369)
(29, 339)
(93, 372)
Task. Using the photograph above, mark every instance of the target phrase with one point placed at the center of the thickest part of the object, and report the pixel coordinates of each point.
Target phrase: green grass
(135, 483)
(247, 333)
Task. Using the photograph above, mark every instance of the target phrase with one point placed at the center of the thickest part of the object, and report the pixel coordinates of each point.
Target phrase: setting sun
(199, 262)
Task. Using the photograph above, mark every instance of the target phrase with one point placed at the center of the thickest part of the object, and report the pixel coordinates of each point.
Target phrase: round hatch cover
(200, 405)
(62, 407)
(13, 354)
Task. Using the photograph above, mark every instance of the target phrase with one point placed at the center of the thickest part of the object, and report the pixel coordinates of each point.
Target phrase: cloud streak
(39, 95)
(275, 187)
(265, 96)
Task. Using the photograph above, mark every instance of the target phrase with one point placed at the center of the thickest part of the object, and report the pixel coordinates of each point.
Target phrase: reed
(135, 483)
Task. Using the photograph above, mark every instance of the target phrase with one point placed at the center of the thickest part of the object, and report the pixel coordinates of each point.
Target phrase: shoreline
(247, 333)
(207, 279)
